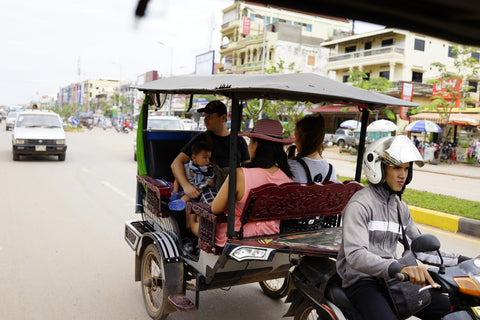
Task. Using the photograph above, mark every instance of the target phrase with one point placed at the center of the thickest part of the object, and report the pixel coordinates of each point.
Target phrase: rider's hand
(191, 191)
(418, 275)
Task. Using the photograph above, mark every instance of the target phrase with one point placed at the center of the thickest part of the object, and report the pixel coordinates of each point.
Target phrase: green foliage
(442, 203)
(360, 80)
(287, 112)
(66, 111)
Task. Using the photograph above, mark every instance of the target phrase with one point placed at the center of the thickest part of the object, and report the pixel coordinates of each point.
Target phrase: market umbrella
(350, 124)
(423, 126)
(382, 125)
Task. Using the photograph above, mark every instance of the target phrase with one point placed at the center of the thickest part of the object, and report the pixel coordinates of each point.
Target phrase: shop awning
(466, 119)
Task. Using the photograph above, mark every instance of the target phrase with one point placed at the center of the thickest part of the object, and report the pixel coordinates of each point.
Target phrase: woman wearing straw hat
(268, 164)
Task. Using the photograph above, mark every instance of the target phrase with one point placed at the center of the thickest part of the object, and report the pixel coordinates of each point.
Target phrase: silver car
(10, 121)
(160, 123)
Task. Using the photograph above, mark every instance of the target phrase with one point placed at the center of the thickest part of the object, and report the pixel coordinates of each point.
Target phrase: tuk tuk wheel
(275, 288)
(153, 282)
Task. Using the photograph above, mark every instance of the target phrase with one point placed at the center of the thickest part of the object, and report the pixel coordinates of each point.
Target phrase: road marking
(118, 191)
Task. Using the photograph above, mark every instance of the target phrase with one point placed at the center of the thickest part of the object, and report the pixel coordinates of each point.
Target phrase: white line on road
(118, 191)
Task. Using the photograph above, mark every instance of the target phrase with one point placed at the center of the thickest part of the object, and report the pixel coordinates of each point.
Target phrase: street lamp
(120, 91)
(171, 74)
(171, 55)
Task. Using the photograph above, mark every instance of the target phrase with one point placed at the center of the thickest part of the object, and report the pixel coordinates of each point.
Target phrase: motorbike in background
(318, 293)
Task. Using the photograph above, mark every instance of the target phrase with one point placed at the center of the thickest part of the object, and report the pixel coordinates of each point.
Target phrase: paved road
(62, 252)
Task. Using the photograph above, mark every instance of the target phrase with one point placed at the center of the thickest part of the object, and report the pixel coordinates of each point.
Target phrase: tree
(453, 83)
(360, 80)
(287, 112)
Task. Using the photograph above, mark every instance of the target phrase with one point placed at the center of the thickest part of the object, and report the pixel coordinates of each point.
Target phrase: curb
(446, 221)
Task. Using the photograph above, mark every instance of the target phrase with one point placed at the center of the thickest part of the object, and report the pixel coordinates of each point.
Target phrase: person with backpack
(308, 165)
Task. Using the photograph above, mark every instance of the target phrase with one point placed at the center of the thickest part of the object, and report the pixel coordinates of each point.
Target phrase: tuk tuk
(171, 278)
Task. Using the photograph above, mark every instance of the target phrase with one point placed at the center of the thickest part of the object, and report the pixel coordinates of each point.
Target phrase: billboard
(204, 63)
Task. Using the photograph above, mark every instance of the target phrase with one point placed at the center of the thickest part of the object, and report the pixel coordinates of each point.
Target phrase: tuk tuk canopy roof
(291, 87)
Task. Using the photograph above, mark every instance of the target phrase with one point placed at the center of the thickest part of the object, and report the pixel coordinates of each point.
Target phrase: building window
(274, 20)
(451, 52)
(385, 74)
(368, 76)
(252, 17)
(368, 45)
(473, 85)
(311, 60)
(419, 45)
(417, 76)
(387, 42)
(350, 49)
(309, 27)
(476, 56)
(345, 78)
(267, 19)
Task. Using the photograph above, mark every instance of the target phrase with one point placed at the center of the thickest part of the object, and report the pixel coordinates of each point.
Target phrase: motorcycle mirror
(425, 243)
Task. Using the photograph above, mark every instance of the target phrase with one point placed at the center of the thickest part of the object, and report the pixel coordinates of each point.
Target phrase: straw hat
(268, 129)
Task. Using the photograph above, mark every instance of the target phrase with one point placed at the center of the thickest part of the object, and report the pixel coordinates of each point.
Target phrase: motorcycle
(448, 152)
(318, 293)
(123, 129)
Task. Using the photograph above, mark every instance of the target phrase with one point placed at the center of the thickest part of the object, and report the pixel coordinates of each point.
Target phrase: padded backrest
(296, 200)
(162, 147)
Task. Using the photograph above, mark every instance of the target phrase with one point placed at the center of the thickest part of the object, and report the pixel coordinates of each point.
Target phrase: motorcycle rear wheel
(306, 311)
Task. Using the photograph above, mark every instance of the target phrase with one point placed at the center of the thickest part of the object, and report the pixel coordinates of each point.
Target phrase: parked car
(38, 133)
(188, 124)
(10, 121)
(3, 115)
(341, 137)
(160, 123)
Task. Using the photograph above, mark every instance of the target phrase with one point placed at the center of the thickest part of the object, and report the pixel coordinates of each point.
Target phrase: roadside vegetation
(437, 202)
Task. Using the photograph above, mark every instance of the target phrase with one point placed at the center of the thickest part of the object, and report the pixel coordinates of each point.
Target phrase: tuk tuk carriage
(172, 278)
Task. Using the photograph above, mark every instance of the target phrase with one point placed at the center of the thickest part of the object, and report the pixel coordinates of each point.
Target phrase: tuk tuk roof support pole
(232, 185)
(361, 146)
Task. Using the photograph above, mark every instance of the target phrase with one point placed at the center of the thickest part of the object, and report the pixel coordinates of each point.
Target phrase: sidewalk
(425, 216)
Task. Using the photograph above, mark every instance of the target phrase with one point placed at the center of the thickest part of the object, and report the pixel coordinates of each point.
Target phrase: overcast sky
(44, 43)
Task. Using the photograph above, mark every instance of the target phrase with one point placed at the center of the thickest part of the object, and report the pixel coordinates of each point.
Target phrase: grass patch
(437, 202)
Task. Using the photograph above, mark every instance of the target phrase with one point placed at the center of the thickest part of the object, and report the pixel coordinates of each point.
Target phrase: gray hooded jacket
(371, 232)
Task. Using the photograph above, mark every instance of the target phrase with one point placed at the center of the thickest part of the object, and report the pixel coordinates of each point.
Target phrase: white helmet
(392, 151)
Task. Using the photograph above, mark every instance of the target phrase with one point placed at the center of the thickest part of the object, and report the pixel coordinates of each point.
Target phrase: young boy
(199, 173)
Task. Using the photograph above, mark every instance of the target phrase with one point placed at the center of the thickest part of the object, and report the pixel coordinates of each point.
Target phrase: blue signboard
(75, 122)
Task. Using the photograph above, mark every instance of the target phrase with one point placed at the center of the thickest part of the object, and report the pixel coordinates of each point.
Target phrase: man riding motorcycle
(372, 228)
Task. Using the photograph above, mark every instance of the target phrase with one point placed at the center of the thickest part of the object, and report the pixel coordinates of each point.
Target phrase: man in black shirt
(218, 136)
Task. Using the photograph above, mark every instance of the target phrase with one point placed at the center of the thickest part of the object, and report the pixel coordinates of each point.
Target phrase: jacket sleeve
(356, 242)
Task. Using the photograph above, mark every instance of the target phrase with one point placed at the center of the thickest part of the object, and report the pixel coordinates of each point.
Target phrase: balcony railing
(367, 53)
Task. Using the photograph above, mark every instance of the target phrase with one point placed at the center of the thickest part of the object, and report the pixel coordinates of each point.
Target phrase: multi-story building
(256, 37)
(88, 93)
(397, 55)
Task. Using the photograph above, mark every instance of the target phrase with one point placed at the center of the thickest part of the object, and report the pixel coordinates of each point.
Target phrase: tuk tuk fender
(169, 250)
